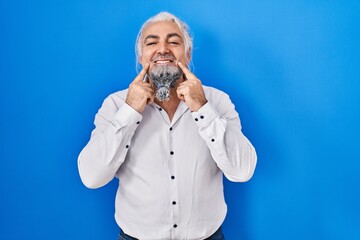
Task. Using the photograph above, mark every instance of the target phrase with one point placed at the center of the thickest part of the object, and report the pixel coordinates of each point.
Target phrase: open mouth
(163, 61)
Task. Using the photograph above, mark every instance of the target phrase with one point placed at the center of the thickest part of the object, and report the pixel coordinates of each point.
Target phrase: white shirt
(170, 173)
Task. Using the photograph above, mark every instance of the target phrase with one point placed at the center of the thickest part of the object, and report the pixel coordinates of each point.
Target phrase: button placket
(173, 204)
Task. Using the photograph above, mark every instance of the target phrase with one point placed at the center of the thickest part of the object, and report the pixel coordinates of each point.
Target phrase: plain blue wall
(290, 67)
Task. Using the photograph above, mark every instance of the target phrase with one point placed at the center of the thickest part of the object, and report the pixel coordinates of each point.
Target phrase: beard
(164, 77)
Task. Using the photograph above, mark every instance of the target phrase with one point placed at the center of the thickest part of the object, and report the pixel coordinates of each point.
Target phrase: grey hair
(164, 16)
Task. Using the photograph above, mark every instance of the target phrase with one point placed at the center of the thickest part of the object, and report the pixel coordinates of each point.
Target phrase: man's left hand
(190, 90)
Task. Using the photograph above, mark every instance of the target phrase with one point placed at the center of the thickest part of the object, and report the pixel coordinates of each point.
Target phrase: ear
(188, 56)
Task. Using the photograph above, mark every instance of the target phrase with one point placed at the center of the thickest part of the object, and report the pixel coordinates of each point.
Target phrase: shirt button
(175, 225)
(127, 146)
(172, 153)
(196, 119)
(202, 117)
(174, 203)
(213, 140)
(138, 122)
(172, 177)
(170, 128)
(160, 109)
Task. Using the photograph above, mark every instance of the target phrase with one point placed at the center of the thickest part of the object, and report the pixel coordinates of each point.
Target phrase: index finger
(185, 70)
(142, 73)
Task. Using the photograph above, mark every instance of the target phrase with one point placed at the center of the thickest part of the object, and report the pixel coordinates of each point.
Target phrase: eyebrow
(173, 35)
(152, 36)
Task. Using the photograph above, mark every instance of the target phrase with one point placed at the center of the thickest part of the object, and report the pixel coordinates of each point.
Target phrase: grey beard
(164, 77)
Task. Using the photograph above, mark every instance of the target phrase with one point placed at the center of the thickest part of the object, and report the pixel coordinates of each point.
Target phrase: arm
(231, 150)
(220, 128)
(115, 126)
(106, 151)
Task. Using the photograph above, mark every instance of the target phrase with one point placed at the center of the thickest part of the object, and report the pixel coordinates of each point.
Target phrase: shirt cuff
(127, 116)
(205, 115)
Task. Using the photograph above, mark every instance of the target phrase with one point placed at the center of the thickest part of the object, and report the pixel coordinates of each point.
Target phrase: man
(169, 140)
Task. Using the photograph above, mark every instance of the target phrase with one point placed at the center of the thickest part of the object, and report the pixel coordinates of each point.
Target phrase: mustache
(163, 56)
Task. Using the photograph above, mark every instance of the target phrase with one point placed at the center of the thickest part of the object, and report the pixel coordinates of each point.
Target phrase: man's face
(162, 47)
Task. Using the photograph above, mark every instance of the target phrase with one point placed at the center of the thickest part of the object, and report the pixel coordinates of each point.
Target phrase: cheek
(183, 59)
(145, 56)
(182, 56)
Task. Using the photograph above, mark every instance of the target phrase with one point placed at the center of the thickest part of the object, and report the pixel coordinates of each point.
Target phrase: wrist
(199, 105)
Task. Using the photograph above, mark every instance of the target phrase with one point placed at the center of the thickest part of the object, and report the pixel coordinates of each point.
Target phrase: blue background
(290, 67)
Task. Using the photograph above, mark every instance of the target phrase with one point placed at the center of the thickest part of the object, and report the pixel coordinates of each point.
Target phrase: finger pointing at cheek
(191, 91)
(140, 93)
(186, 71)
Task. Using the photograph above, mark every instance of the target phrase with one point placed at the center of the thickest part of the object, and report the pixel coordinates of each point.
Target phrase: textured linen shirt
(170, 173)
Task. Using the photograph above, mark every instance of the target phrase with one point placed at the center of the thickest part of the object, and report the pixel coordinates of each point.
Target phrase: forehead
(161, 29)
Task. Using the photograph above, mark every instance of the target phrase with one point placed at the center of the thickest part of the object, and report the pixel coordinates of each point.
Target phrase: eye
(150, 43)
(174, 43)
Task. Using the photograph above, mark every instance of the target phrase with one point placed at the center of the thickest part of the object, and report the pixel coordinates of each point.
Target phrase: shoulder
(214, 94)
(220, 101)
(114, 101)
(116, 98)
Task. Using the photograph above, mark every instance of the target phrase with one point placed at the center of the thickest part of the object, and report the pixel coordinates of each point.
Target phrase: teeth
(163, 61)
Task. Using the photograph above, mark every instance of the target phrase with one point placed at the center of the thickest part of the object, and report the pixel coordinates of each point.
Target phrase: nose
(163, 48)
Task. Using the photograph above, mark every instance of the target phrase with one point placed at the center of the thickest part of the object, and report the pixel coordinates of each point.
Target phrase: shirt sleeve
(221, 130)
(100, 159)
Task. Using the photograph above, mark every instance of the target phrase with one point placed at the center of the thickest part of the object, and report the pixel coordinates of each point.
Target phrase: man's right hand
(140, 93)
